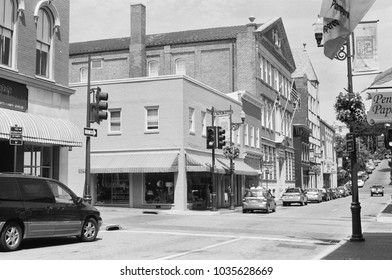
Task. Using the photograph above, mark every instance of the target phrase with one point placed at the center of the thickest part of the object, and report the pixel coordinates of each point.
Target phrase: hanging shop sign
(381, 108)
(13, 95)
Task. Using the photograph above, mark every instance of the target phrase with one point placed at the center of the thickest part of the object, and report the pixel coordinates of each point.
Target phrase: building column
(181, 187)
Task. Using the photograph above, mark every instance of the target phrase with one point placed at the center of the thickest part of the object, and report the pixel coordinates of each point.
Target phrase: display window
(113, 188)
(159, 188)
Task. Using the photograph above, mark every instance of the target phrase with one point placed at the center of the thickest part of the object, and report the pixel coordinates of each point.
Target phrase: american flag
(294, 96)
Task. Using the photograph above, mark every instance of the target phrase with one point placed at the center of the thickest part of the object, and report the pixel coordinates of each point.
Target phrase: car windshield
(292, 191)
(312, 190)
(257, 193)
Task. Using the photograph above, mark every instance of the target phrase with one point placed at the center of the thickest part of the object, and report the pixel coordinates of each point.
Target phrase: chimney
(137, 47)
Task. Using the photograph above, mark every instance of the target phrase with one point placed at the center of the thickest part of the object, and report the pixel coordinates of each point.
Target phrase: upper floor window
(44, 40)
(191, 120)
(203, 123)
(152, 119)
(246, 135)
(7, 14)
(96, 63)
(153, 68)
(83, 74)
(115, 121)
(180, 67)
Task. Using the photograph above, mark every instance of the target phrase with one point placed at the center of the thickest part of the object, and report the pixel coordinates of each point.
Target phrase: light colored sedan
(258, 199)
(314, 195)
(294, 195)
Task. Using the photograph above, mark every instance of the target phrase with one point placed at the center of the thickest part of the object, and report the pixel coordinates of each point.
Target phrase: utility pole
(87, 189)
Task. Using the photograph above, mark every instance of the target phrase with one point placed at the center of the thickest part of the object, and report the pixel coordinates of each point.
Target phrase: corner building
(35, 132)
(151, 152)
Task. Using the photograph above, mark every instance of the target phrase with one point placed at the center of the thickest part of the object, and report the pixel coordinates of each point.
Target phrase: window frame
(154, 129)
(180, 71)
(191, 120)
(11, 29)
(150, 64)
(111, 121)
(44, 13)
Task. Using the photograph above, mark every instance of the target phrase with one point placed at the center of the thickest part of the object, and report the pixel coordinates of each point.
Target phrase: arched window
(180, 67)
(44, 42)
(7, 19)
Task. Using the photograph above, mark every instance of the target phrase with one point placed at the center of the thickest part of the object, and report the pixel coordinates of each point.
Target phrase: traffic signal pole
(87, 189)
(214, 187)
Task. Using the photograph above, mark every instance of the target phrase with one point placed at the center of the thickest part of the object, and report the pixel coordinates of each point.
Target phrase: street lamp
(345, 54)
(231, 155)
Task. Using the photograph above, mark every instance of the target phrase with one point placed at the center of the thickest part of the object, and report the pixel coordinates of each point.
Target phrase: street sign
(381, 109)
(16, 135)
(220, 112)
(90, 132)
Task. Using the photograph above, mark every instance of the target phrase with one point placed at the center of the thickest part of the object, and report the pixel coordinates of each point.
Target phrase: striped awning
(40, 129)
(202, 163)
(133, 162)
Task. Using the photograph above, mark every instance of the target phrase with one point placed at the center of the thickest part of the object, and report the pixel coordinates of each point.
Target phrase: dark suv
(35, 207)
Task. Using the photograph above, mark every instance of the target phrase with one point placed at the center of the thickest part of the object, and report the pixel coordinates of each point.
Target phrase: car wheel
(11, 237)
(89, 230)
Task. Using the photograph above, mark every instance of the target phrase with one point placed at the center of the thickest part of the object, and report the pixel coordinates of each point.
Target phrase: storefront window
(199, 190)
(38, 161)
(113, 188)
(159, 188)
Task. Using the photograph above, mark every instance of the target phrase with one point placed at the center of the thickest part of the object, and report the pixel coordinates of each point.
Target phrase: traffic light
(99, 106)
(221, 137)
(211, 137)
(381, 141)
(388, 139)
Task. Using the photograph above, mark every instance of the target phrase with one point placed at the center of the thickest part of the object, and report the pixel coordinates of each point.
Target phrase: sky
(103, 19)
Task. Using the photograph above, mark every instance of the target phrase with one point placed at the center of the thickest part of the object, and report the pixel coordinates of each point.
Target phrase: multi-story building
(174, 79)
(308, 115)
(35, 133)
(328, 155)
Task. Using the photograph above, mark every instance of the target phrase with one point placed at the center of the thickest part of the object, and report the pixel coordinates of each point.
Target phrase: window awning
(40, 129)
(133, 162)
(202, 163)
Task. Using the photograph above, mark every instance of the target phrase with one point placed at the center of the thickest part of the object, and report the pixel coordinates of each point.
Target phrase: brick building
(34, 92)
(249, 67)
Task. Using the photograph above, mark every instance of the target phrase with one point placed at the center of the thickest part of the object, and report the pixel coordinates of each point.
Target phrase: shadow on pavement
(377, 246)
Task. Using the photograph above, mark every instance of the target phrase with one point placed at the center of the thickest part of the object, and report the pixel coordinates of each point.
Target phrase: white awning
(133, 162)
(40, 129)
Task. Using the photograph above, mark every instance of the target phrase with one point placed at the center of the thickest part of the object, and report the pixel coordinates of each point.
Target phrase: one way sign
(90, 132)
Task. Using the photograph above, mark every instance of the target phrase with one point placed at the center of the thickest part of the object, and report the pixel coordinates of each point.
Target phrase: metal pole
(355, 205)
(231, 165)
(87, 190)
(214, 187)
(15, 157)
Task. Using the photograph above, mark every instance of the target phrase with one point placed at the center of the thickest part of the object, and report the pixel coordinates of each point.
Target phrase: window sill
(45, 79)
(151, 132)
(112, 133)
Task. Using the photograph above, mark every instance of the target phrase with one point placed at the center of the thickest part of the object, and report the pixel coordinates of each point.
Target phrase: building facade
(35, 131)
(250, 66)
(308, 115)
(328, 155)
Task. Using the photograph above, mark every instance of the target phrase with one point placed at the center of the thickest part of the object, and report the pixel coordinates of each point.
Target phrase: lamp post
(345, 54)
(231, 156)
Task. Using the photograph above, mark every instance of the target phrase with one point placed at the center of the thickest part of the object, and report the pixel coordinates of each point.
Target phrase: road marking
(280, 239)
(200, 249)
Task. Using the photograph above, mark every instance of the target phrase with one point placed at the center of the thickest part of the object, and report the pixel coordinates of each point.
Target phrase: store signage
(13, 95)
(16, 135)
(381, 108)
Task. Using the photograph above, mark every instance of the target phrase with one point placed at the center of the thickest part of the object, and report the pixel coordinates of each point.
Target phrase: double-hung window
(44, 38)
(115, 121)
(152, 119)
(7, 14)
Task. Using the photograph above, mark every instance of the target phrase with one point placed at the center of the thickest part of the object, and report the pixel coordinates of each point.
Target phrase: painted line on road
(280, 239)
(200, 249)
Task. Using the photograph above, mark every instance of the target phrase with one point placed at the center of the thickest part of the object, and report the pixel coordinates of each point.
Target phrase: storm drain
(113, 227)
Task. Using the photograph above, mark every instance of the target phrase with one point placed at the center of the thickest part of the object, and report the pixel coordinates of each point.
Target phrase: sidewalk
(377, 244)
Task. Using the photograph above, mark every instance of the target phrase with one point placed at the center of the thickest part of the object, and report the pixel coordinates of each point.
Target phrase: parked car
(294, 195)
(36, 207)
(336, 193)
(326, 194)
(343, 191)
(314, 195)
(361, 183)
(376, 190)
(258, 199)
